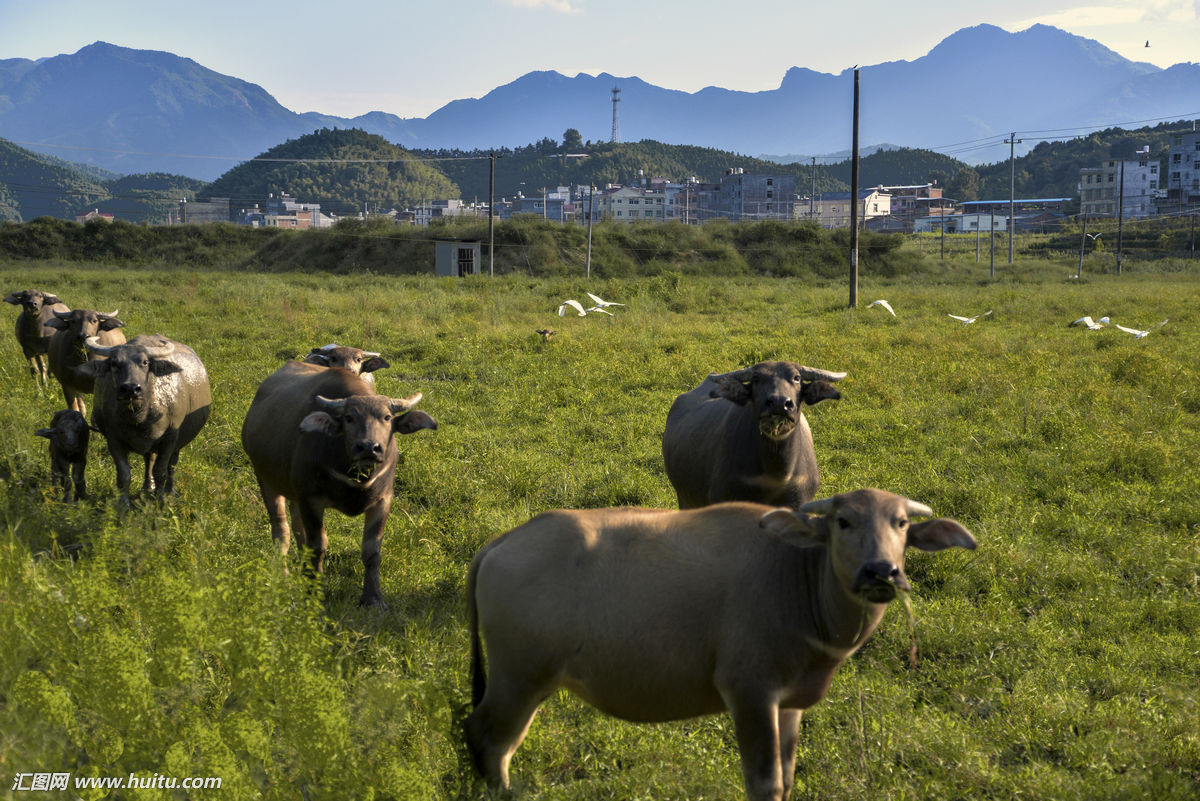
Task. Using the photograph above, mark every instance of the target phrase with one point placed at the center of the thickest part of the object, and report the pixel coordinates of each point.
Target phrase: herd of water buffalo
(747, 599)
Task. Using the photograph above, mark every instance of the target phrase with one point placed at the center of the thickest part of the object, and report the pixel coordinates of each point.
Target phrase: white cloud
(557, 6)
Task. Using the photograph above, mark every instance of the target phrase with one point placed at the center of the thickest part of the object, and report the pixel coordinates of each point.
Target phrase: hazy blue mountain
(979, 82)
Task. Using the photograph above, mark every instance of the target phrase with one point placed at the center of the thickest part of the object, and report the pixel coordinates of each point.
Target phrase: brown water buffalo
(152, 399)
(68, 349)
(68, 433)
(363, 363)
(319, 437)
(742, 436)
(653, 615)
(33, 330)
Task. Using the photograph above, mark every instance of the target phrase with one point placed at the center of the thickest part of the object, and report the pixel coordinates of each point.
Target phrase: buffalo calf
(68, 434)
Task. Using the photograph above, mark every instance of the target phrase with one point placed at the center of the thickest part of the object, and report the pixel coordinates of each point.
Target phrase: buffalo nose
(130, 390)
(777, 402)
(368, 448)
(885, 573)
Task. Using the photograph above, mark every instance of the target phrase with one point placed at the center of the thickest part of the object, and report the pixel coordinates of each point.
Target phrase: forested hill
(35, 185)
(341, 169)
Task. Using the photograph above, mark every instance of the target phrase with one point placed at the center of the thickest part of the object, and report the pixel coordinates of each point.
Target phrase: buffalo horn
(114, 313)
(737, 375)
(822, 507)
(62, 315)
(399, 405)
(161, 351)
(919, 509)
(330, 405)
(370, 354)
(816, 374)
(93, 344)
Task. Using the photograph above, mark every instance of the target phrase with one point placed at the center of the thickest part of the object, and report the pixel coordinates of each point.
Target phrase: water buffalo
(319, 437)
(360, 362)
(68, 433)
(68, 349)
(742, 436)
(152, 398)
(654, 615)
(33, 330)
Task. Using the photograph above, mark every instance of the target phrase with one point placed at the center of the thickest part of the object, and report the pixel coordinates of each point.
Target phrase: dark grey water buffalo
(742, 436)
(653, 615)
(152, 399)
(319, 437)
(68, 433)
(363, 363)
(33, 330)
(68, 349)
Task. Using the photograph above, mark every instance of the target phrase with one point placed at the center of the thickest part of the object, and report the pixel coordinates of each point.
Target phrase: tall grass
(1060, 660)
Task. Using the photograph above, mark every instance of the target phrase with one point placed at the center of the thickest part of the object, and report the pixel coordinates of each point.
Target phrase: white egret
(885, 305)
(969, 320)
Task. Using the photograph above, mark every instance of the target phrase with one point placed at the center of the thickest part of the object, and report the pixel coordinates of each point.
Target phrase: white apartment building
(1100, 187)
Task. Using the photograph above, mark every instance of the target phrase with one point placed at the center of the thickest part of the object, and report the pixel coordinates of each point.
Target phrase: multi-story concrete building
(756, 196)
(1182, 183)
(1100, 188)
(631, 204)
(832, 209)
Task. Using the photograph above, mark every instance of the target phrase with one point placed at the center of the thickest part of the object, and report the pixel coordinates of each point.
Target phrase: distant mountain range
(137, 111)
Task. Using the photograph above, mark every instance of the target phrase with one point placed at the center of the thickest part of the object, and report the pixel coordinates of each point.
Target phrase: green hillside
(342, 170)
(35, 185)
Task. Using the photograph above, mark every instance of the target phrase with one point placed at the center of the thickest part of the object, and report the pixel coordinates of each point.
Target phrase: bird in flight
(885, 305)
(574, 304)
(1091, 324)
(969, 320)
(601, 302)
(1139, 334)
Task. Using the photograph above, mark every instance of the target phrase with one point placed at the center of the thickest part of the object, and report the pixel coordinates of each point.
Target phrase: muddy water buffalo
(653, 615)
(742, 436)
(33, 330)
(68, 434)
(363, 363)
(319, 437)
(68, 349)
(152, 398)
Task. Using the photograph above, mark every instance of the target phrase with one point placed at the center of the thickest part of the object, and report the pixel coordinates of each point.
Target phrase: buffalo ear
(315, 356)
(15, 298)
(731, 389)
(939, 534)
(58, 323)
(795, 529)
(161, 367)
(813, 392)
(320, 423)
(51, 299)
(374, 363)
(109, 323)
(412, 422)
(95, 368)
(48, 433)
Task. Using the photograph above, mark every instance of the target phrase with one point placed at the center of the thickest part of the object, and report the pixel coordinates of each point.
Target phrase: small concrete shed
(457, 257)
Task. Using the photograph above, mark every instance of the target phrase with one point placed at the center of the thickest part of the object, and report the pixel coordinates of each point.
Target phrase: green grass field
(1061, 660)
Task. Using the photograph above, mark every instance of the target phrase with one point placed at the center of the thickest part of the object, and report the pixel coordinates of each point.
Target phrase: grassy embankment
(1060, 660)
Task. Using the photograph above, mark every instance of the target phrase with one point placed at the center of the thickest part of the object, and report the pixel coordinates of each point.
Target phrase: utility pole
(812, 197)
(1082, 242)
(854, 202)
(942, 256)
(491, 213)
(1193, 236)
(1120, 212)
(992, 245)
(587, 265)
(1012, 141)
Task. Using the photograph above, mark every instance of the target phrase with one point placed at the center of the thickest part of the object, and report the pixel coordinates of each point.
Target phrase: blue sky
(410, 58)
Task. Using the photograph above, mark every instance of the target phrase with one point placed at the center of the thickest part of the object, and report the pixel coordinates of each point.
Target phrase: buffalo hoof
(375, 602)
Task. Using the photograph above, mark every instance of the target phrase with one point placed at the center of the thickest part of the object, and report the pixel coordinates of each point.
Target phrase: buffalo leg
(277, 515)
(789, 738)
(756, 725)
(313, 518)
(160, 463)
(374, 520)
(77, 476)
(120, 457)
(498, 725)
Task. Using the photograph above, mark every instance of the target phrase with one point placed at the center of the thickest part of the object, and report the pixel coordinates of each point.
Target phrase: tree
(572, 140)
(964, 186)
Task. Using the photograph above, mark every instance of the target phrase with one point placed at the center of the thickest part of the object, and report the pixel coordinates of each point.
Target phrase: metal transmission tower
(616, 131)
